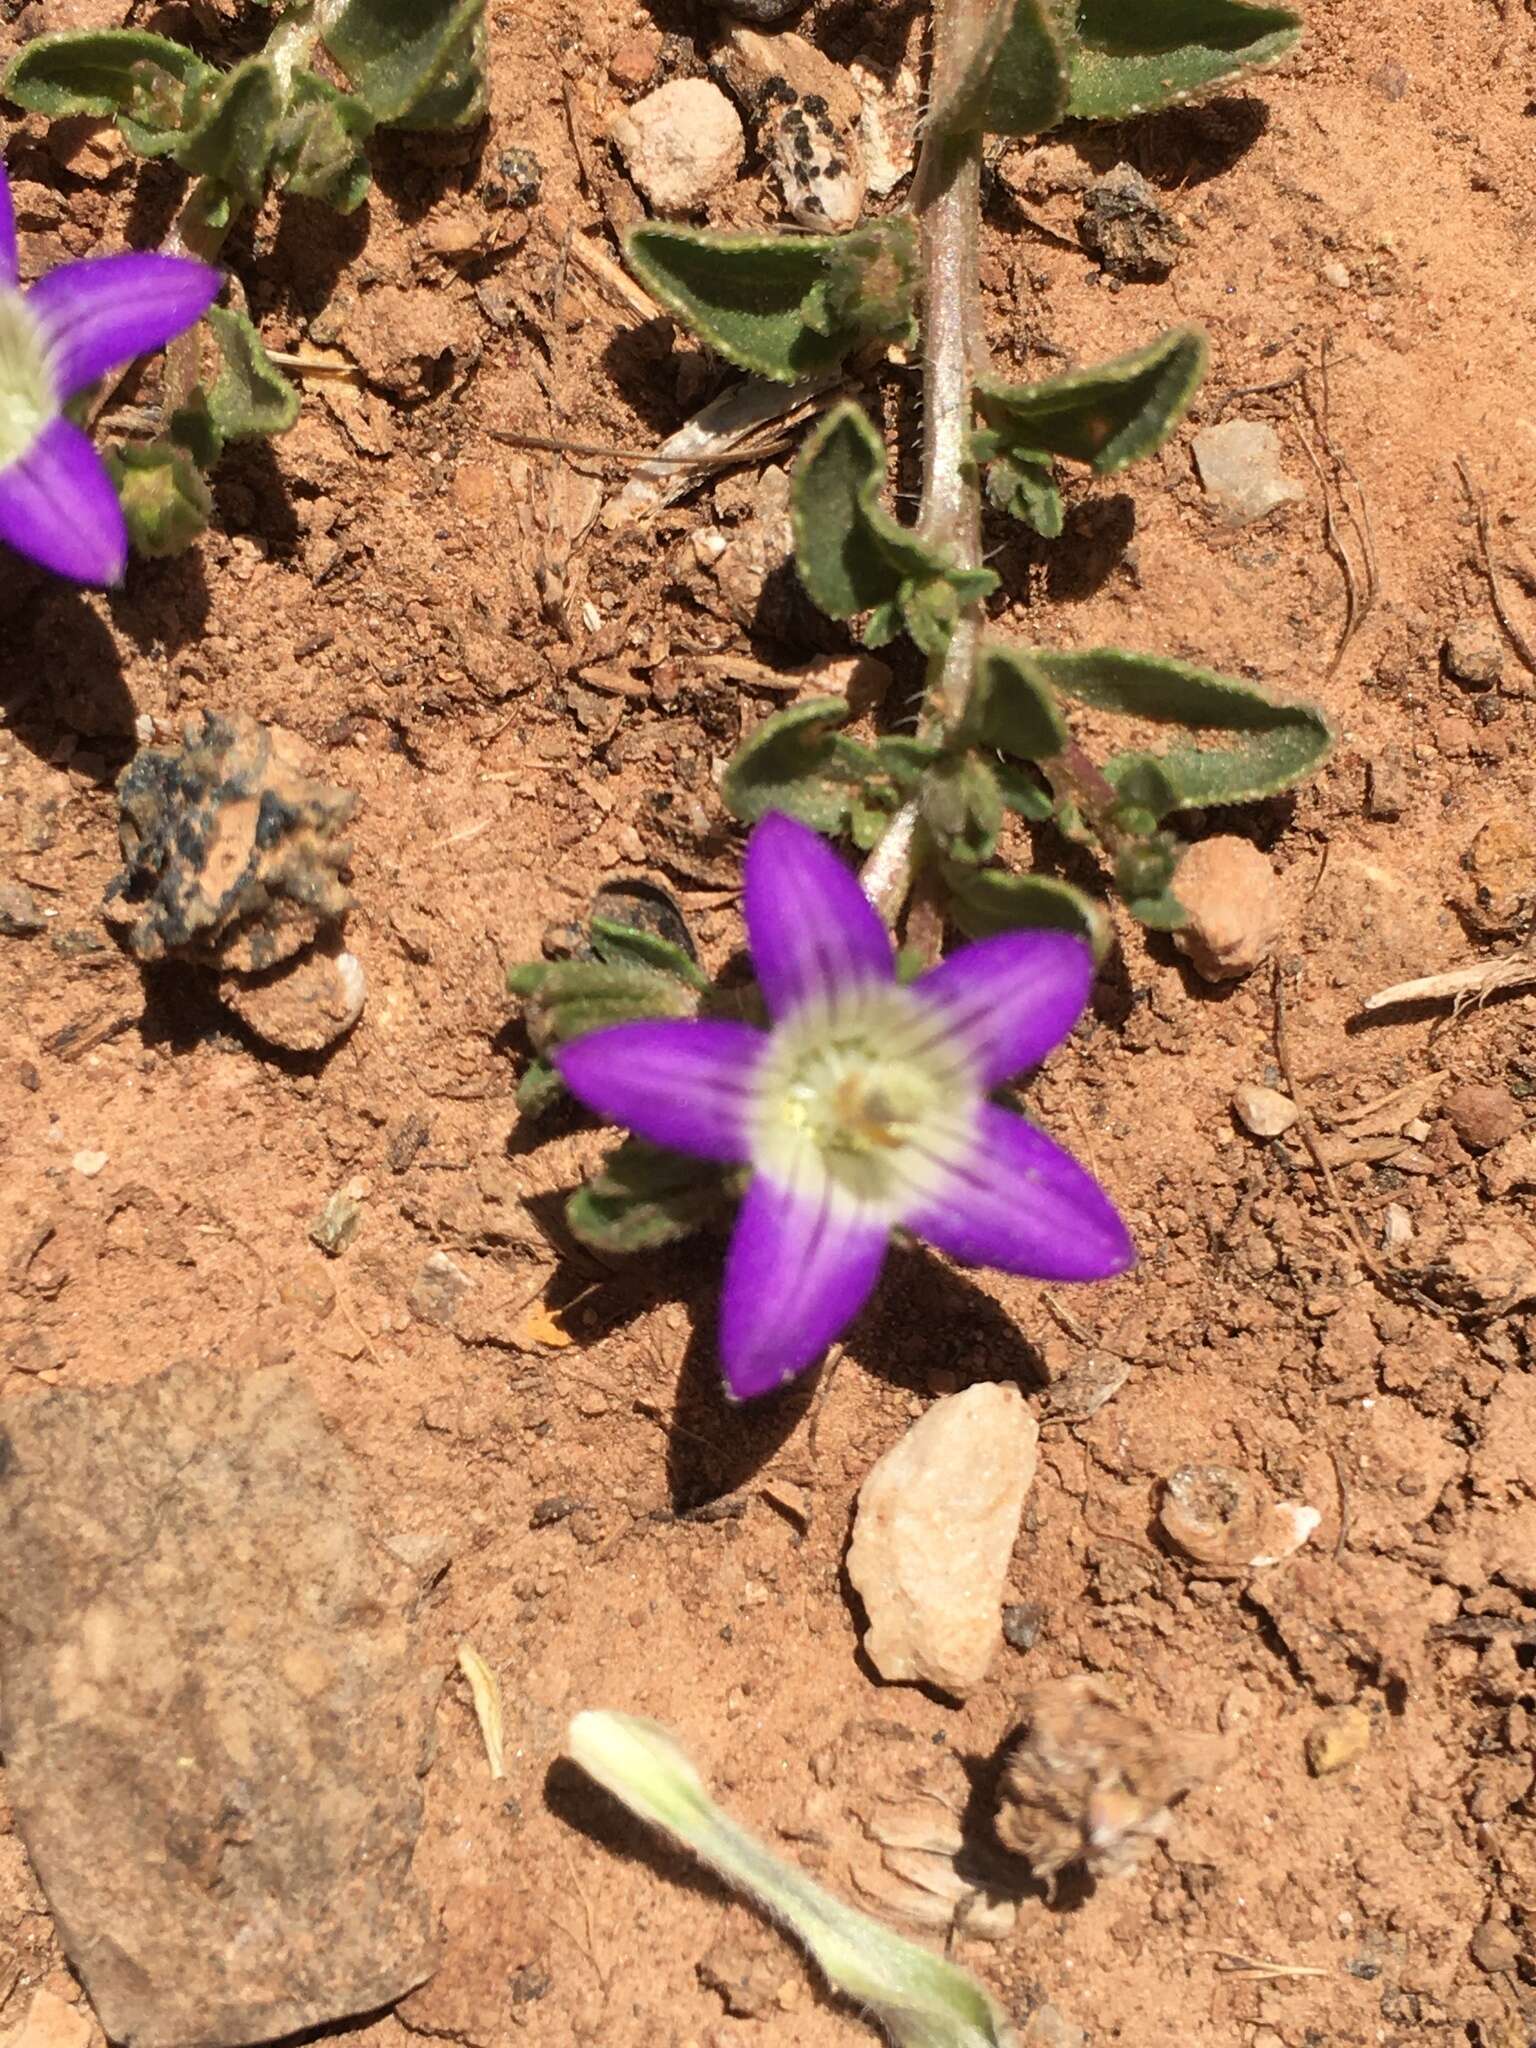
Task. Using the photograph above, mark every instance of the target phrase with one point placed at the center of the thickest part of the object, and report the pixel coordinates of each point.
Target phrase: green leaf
(319, 151)
(234, 131)
(1012, 707)
(1025, 488)
(165, 501)
(1284, 741)
(539, 1089)
(962, 808)
(644, 1197)
(784, 307)
(985, 901)
(1107, 416)
(1016, 81)
(621, 944)
(1021, 791)
(1144, 874)
(1131, 56)
(250, 395)
(853, 557)
(798, 762)
(192, 426)
(414, 63)
(565, 999)
(106, 71)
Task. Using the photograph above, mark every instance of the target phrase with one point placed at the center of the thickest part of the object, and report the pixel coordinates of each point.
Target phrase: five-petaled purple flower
(57, 503)
(864, 1108)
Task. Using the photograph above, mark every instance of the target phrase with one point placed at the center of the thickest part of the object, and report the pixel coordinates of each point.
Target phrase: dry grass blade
(1479, 505)
(486, 1695)
(1459, 985)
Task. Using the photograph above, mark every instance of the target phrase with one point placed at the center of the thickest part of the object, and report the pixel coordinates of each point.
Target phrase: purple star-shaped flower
(57, 503)
(862, 1109)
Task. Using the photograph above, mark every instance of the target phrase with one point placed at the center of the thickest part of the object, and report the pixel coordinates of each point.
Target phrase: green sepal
(1107, 416)
(986, 901)
(145, 81)
(1012, 706)
(785, 307)
(250, 395)
(853, 557)
(166, 504)
(643, 1197)
(414, 63)
(798, 762)
(565, 999)
(962, 808)
(619, 944)
(319, 150)
(540, 1088)
(1025, 487)
(1016, 81)
(233, 130)
(1132, 56)
(1284, 741)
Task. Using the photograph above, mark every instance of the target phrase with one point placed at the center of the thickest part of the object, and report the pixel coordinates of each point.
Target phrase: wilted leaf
(1106, 416)
(644, 1197)
(1130, 56)
(319, 148)
(1284, 742)
(962, 807)
(250, 395)
(103, 71)
(233, 129)
(1025, 488)
(853, 557)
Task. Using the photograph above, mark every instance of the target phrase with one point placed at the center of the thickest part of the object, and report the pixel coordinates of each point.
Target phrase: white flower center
(866, 1096)
(27, 400)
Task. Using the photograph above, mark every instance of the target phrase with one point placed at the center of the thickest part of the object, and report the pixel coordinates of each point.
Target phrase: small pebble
(89, 1163)
(1337, 1740)
(633, 63)
(1495, 1947)
(1234, 904)
(1482, 1116)
(19, 912)
(1473, 656)
(1240, 468)
(337, 1224)
(1386, 787)
(1022, 1623)
(680, 144)
(304, 1005)
(764, 12)
(1264, 1111)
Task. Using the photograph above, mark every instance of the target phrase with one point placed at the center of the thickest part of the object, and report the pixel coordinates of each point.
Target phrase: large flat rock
(212, 1717)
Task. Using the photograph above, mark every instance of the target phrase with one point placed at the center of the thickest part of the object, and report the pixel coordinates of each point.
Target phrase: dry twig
(1479, 505)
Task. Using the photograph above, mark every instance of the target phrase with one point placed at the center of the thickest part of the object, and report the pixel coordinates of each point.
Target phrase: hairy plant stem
(946, 202)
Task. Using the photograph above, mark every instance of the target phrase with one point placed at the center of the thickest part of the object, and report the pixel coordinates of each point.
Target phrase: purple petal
(811, 927)
(681, 1082)
(1011, 999)
(1018, 1201)
(7, 232)
(57, 505)
(799, 1270)
(108, 309)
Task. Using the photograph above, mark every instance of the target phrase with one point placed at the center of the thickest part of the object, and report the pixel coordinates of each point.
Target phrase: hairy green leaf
(643, 1197)
(1021, 790)
(319, 151)
(618, 943)
(985, 901)
(1144, 874)
(1016, 81)
(250, 395)
(233, 129)
(1130, 56)
(565, 999)
(414, 63)
(1107, 416)
(798, 762)
(1012, 707)
(107, 71)
(962, 807)
(192, 426)
(1025, 488)
(1283, 741)
(539, 1089)
(853, 557)
(165, 502)
(784, 307)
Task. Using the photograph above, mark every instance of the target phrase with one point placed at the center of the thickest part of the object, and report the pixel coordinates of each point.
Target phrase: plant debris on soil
(530, 693)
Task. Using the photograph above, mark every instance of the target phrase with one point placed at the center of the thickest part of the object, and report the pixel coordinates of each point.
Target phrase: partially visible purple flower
(862, 1109)
(57, 503)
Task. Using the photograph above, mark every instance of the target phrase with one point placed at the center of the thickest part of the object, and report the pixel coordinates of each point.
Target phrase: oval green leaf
(1106, 416)
(1132, 56)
